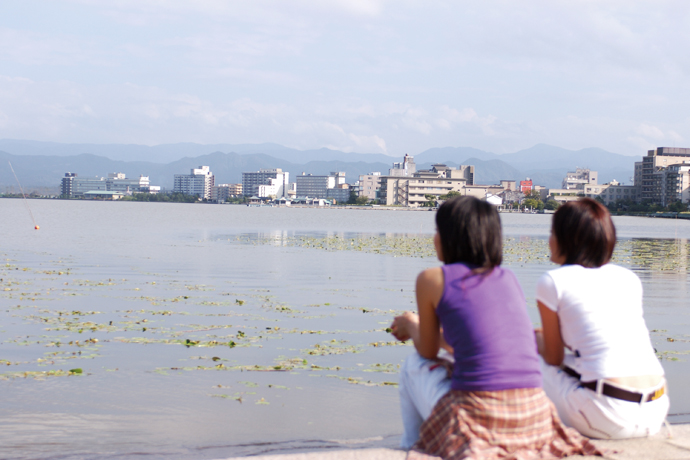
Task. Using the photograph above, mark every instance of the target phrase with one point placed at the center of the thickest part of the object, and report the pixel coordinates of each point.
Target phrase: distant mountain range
(43, 164)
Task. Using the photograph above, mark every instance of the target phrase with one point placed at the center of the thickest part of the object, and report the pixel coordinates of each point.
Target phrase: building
(578, 179)
(673, 183)
(612, 192)
(509, 185)
(222, 192)
(116, 184)
(291, 190)
(369, 185)
(509, 196)
(437, 181)
(266, 183)
(651, 185)
(198, 182)
(339, 194)
(405, 169)
(309, 185)
(74, 187)
(526, 186)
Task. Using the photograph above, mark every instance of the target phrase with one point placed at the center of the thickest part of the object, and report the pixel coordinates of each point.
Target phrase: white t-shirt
(600, 313)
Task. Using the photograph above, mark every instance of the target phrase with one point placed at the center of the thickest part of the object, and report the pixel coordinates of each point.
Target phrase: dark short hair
(584, 232)
(470, 231)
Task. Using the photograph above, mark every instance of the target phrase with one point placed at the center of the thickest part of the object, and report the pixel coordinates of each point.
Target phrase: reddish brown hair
(584, 232)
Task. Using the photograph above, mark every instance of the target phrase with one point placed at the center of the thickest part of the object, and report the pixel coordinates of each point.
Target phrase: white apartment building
(266, 183)
(198, 182)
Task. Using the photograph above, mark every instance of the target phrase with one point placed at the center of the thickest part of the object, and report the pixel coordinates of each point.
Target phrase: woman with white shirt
(600, 371)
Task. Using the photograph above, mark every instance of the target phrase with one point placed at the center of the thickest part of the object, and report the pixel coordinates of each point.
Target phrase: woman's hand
(405, 326)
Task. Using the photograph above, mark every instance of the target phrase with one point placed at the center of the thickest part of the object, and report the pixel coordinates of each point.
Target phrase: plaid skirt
(517, 424)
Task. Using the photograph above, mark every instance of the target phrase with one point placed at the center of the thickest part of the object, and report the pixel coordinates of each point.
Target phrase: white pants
(422, 384)
(599, 416)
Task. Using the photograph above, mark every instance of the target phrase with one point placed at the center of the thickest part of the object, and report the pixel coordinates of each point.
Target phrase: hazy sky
(355, 75)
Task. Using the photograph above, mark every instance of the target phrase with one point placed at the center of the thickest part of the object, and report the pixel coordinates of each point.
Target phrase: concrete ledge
(673, 445)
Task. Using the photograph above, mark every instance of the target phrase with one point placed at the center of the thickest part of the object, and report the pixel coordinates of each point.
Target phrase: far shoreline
(662, 215)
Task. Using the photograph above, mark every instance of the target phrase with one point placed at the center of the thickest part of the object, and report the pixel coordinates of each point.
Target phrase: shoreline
(661, 215)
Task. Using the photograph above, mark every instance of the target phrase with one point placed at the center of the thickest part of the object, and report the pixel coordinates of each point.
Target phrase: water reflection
(640, 254)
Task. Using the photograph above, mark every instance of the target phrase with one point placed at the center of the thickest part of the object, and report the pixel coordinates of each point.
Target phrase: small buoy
(37, 227)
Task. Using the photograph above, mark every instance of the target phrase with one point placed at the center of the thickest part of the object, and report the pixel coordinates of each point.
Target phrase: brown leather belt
(615, 392)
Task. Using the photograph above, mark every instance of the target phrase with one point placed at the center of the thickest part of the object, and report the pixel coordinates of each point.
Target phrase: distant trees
(430, 201)
(627, 205)
(238, 199)
(357, 200)
(175, 197)
(449, 195)
(551, 205)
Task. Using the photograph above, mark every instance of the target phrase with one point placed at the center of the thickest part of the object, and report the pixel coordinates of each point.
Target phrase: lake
(184, 331)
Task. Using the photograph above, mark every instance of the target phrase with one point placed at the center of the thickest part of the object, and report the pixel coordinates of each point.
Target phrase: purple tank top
(484, 319)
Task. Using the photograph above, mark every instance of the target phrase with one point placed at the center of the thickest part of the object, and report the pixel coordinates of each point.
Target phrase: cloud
(42, 49)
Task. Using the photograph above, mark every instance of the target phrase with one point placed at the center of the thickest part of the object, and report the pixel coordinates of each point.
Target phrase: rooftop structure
(404, 169)
(576, 180)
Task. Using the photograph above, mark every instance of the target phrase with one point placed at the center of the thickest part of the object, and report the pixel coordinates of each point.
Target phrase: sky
(367, 76)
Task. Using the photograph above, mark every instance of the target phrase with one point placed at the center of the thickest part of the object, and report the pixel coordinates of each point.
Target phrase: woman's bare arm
(549, 339)
(424, 329)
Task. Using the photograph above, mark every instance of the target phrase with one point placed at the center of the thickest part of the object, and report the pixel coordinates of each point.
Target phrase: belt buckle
(653, 395)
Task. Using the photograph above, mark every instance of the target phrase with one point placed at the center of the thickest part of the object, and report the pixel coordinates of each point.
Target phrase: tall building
(198, 182)
(265, 183)
(648, 180)
(674, 183)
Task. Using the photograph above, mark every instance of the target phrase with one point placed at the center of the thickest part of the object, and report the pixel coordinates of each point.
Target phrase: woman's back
(485, 321)
(600, 312)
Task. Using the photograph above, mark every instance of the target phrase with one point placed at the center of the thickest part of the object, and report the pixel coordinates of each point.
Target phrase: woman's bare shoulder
(431, 279)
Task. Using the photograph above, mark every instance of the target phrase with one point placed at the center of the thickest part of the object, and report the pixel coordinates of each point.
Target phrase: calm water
(206, 331)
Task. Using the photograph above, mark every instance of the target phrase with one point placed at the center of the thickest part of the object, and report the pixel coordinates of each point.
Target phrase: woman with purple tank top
(473, 388)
